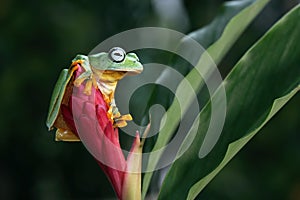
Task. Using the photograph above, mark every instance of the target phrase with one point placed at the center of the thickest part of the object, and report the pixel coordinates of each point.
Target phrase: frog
(102, 71)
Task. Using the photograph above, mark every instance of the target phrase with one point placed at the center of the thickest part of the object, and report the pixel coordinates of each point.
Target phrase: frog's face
(116, 60)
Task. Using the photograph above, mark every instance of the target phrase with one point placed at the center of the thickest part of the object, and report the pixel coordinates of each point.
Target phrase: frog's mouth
(133, 72)
(137, 69)
(124, 72)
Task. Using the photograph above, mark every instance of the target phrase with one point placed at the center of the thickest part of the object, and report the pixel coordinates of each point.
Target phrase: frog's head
(116, 60)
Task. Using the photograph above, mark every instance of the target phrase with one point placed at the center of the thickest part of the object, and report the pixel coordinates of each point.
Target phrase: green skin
(103, 73)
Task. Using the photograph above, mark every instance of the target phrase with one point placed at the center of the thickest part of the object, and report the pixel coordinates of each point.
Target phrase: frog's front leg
(87, 75)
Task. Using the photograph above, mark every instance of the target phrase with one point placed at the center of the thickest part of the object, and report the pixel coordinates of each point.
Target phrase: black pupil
(117, 54)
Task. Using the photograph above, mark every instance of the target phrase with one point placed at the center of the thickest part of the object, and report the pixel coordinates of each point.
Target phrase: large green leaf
(235, 25)
(266, 77)
(237, 145)
(212, 32)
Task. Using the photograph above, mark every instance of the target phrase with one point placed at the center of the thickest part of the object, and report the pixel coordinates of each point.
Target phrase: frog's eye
(117, 54)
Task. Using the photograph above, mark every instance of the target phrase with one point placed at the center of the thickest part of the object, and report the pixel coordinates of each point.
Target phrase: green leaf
(217, 51)
(237, 145)
(212, 32)
(266, 77)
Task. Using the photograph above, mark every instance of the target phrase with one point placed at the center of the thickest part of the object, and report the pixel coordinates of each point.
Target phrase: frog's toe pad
(124, 117)
(121, 121)
(78, 81)
(88, 87)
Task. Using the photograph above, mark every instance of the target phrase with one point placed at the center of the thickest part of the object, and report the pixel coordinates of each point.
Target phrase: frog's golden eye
(117, 54)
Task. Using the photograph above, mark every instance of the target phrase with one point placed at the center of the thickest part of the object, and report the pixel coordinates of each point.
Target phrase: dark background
(39, 38)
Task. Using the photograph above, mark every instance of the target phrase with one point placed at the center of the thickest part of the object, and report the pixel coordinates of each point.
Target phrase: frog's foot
(66, 136)
(121, 121)
(115, 116)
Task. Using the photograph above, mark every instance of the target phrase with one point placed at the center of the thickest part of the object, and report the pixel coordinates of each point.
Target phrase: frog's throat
(107, 83)
(108, 91)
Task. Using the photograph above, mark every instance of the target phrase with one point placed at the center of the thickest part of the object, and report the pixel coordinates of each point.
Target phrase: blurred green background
(39, 38)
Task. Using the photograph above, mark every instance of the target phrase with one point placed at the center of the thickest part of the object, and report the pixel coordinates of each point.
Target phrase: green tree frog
(103, 71)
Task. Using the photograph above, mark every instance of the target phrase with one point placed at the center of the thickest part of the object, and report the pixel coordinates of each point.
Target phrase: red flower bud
(86, 117)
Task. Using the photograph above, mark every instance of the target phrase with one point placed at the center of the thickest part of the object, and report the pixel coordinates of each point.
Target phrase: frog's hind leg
(118, 119)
